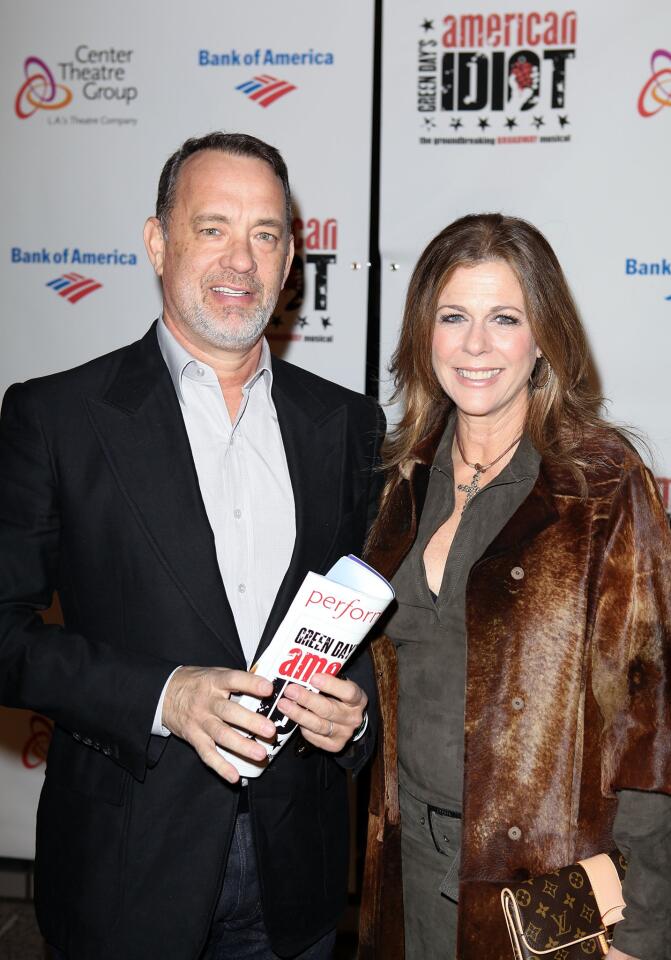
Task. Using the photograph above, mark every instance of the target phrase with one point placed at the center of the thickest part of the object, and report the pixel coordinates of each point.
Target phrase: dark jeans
(238, 931)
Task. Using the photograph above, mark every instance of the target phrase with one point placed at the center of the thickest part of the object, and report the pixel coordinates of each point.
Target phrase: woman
(528, 658)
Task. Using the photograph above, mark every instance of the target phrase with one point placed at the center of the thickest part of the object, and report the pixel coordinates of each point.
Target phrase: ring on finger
(330, 729)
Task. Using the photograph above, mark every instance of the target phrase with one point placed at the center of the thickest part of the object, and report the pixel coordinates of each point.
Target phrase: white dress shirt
(245, 484)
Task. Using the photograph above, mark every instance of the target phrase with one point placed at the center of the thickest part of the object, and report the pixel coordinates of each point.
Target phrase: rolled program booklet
(327, 620)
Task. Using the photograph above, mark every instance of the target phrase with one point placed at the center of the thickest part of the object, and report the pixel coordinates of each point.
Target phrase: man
(175, 493)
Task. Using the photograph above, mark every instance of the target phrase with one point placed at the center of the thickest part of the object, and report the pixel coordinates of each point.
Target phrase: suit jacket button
(517, 573)
(107, 751)
(87, 741)
(77, 737)
(515, 833)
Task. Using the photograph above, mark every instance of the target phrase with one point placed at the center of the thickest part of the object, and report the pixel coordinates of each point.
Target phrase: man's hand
(198, 708)
(329, 718)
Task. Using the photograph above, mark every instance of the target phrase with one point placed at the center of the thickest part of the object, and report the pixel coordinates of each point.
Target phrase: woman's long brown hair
(565, 404)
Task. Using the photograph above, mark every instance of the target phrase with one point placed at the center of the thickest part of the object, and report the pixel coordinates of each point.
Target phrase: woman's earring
(541, 374)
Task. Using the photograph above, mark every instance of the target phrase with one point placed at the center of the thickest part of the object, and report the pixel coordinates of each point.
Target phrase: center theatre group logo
(665, 490)
(495, 78)
(73, 286)
(265, 89)
(98, 76)
(35, 748)
(656, 92)
(39, 91)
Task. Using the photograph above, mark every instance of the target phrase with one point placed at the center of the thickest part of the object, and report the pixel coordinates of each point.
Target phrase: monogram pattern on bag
(559, 908)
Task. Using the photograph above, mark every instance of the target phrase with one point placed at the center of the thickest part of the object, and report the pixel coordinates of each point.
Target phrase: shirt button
(241, 588)
(237, 513)
(517, 573)
(200, 372)
(515, 833)
(422, 820)
(517, 703)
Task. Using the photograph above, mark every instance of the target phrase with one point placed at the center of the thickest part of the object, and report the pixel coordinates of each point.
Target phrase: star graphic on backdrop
(277, 321)
(511, 122)
(538, 122)
(429, 123)
(456, 123)
(563, 121)
(326, 322)
(427, 25)
(303, 322)
(483, 123)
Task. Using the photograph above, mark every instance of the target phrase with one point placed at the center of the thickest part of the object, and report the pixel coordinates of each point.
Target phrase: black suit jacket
(99, 500)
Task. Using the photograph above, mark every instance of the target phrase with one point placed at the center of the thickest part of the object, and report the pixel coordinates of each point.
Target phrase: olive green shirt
(430, 637)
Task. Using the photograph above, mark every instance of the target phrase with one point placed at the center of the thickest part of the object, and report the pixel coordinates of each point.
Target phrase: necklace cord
(479, 467)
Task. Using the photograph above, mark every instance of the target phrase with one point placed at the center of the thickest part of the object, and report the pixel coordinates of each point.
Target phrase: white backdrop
(566, 148)
(96, 98)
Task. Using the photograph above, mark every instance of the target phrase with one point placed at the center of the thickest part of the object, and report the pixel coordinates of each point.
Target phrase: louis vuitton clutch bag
(566, 914)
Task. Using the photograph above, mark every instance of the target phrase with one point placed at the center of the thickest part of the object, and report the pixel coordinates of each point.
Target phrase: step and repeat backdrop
(95, 99)
(561, 115)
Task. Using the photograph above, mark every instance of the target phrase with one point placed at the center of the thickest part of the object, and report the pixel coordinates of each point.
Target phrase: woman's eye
(450, 318)
(505, 320)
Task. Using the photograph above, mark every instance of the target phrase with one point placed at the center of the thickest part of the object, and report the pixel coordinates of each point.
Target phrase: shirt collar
(524, 464)
(177, 359)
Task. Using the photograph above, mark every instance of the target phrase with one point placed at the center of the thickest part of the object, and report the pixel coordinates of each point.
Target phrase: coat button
(517, 573)
(422, 820)
(517, 703)
(515, 833)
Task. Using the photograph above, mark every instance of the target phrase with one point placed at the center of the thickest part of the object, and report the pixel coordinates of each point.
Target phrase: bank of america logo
(73, 286)
(265, 89)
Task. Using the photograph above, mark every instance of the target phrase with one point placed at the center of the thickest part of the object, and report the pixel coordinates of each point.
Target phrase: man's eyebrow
(270, 222)
(221, 218)
(210, 218)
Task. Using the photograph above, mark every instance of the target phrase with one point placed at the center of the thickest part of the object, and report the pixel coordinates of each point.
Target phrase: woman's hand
(329, 718)
(615, 954)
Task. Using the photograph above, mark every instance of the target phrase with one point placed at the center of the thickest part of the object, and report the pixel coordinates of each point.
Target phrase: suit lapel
(314, 442)
(142, 433)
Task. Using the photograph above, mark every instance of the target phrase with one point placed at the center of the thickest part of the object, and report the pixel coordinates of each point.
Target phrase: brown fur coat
(580, 632)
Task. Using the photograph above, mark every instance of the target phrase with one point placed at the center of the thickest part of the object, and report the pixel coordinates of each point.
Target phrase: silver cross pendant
(470, 489)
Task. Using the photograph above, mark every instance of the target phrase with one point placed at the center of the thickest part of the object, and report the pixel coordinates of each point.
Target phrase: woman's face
(483, 350)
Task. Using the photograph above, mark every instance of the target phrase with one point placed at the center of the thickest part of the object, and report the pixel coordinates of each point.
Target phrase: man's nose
(239, 256)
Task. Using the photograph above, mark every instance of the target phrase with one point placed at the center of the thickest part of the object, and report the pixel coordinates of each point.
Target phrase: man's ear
(154, 242)
(289, 260)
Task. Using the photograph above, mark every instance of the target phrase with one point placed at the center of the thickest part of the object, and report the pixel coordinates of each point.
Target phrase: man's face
(226, 254)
